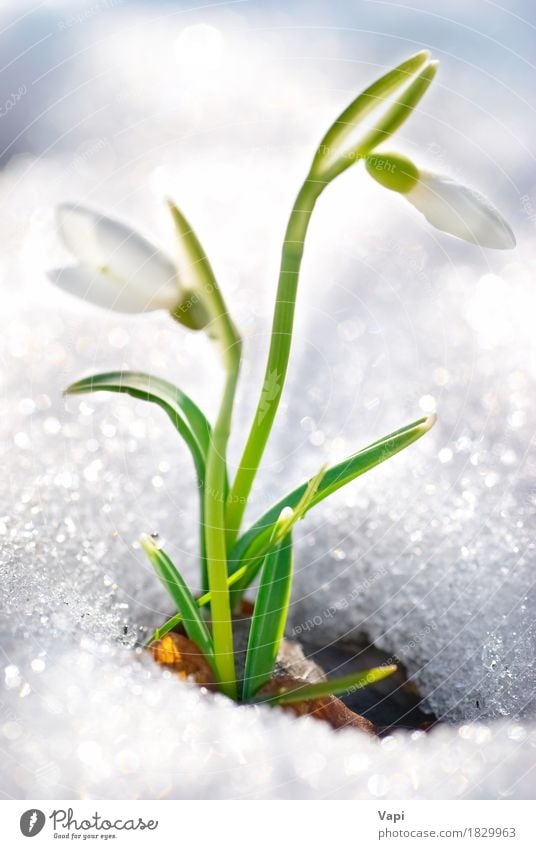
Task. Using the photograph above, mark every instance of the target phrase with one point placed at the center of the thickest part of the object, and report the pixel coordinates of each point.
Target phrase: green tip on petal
(393, 171)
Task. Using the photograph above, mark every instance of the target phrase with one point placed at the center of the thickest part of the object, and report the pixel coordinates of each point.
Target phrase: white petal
(77, 226)
(460, 211)
(105, 243)
(137, 261)
(101, 289)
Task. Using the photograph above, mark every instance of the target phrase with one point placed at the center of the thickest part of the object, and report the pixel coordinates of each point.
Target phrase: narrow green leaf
(333, 687)
(187, 418)
(203, 600)
(194, 625)
(179, 407)
(269, 617)
(249, 552)
(195, 269)
(393, 171)
(401, 108)
(251, 547)
(373, 116)
(290, 515)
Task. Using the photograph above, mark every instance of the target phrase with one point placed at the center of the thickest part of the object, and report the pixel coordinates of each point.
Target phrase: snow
(430, 556)
(160, 738)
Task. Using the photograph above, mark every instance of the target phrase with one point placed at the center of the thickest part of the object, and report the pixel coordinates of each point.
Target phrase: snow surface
(122, 729)
(430, 556)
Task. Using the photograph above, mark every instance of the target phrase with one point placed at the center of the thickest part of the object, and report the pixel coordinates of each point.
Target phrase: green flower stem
(215, 536)
(278, 356)
(215, 319)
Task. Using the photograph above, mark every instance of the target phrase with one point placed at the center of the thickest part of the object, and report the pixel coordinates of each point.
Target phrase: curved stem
(278, 356)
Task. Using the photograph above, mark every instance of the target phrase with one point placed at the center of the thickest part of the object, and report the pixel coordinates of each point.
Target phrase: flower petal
(101, 289)
(105, 243)
(460, 211)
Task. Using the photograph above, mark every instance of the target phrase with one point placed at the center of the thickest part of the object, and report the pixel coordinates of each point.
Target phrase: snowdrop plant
(118, 269)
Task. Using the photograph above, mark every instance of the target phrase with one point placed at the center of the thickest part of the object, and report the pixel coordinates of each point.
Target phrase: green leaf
(186, 416)
(269, 617)
(333, 687)
(373, 116)
(194, 625)
(201, 602)
(280, 528)
(193, 265)
(251, 547)
(290, 515)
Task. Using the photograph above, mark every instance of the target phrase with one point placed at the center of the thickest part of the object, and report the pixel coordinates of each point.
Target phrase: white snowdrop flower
(117, 268)
(448, 205)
